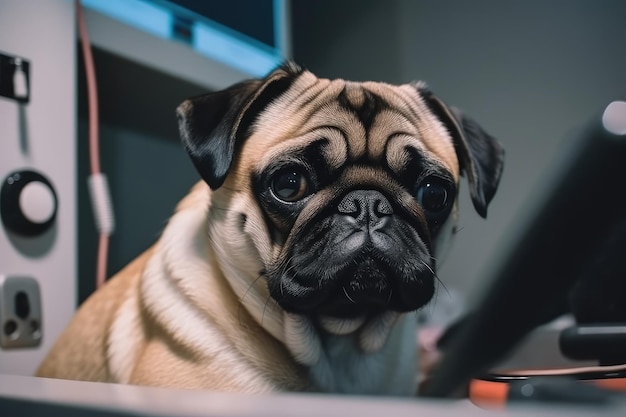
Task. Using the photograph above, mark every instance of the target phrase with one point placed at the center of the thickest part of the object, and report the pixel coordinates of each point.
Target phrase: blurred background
(532, 73)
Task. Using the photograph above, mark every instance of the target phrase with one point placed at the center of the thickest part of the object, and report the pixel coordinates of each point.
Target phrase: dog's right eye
(433, 195)
(290, 185)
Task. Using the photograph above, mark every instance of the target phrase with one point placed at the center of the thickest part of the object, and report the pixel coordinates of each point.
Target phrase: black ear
(212, 125)
(480, 155)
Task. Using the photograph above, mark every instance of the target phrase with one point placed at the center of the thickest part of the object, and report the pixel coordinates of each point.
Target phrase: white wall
(42, 31)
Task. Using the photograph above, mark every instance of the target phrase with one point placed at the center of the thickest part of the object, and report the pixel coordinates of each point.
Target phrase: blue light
(230, 50)
(211, 40)
(137, 13)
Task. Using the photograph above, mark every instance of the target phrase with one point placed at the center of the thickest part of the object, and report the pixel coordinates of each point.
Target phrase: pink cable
(103, 250)
(92, 90)
(94, 148)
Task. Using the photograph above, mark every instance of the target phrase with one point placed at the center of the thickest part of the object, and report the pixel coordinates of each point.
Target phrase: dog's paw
(341, 326)
(375, 332)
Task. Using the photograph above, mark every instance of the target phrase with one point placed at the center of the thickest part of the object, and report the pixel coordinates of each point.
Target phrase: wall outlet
(20, 312)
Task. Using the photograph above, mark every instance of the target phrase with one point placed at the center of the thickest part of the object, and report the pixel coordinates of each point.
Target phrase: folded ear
(481, 157)
(212, 125)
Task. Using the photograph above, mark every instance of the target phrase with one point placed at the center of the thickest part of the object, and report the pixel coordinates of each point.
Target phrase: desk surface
(31, 396)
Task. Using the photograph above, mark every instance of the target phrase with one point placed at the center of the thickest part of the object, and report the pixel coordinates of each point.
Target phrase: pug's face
(344, 191)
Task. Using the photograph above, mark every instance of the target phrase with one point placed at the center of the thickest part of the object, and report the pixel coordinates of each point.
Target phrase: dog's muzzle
(362, 259)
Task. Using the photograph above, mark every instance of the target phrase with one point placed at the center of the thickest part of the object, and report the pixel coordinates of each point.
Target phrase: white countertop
(32, 396)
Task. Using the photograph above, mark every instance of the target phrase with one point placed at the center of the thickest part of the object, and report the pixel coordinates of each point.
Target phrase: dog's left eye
(290, 185)
(433, 195)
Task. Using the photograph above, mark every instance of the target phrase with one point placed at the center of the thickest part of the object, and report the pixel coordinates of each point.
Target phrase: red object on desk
(493, 390)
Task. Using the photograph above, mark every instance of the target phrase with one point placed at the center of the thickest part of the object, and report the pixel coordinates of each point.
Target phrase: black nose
(368, 207)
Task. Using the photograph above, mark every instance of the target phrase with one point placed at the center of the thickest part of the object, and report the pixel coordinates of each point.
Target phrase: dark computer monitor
(584, 202)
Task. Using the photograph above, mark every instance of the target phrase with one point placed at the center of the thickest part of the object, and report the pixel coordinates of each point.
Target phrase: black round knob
(28, 203)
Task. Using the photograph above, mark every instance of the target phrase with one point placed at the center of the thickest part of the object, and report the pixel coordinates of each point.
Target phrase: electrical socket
(20, 312)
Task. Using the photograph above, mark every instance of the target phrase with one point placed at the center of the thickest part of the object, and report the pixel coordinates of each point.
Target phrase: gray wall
(531, 72)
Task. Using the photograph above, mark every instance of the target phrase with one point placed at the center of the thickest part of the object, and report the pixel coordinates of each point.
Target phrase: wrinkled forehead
(361, 122)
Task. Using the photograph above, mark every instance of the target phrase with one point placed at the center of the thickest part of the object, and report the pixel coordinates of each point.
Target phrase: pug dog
(298, 261)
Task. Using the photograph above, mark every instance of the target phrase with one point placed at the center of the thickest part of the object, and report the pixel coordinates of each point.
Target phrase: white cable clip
(101, 203)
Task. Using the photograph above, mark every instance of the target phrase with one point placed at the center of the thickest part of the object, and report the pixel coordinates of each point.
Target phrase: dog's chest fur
(344, 368)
